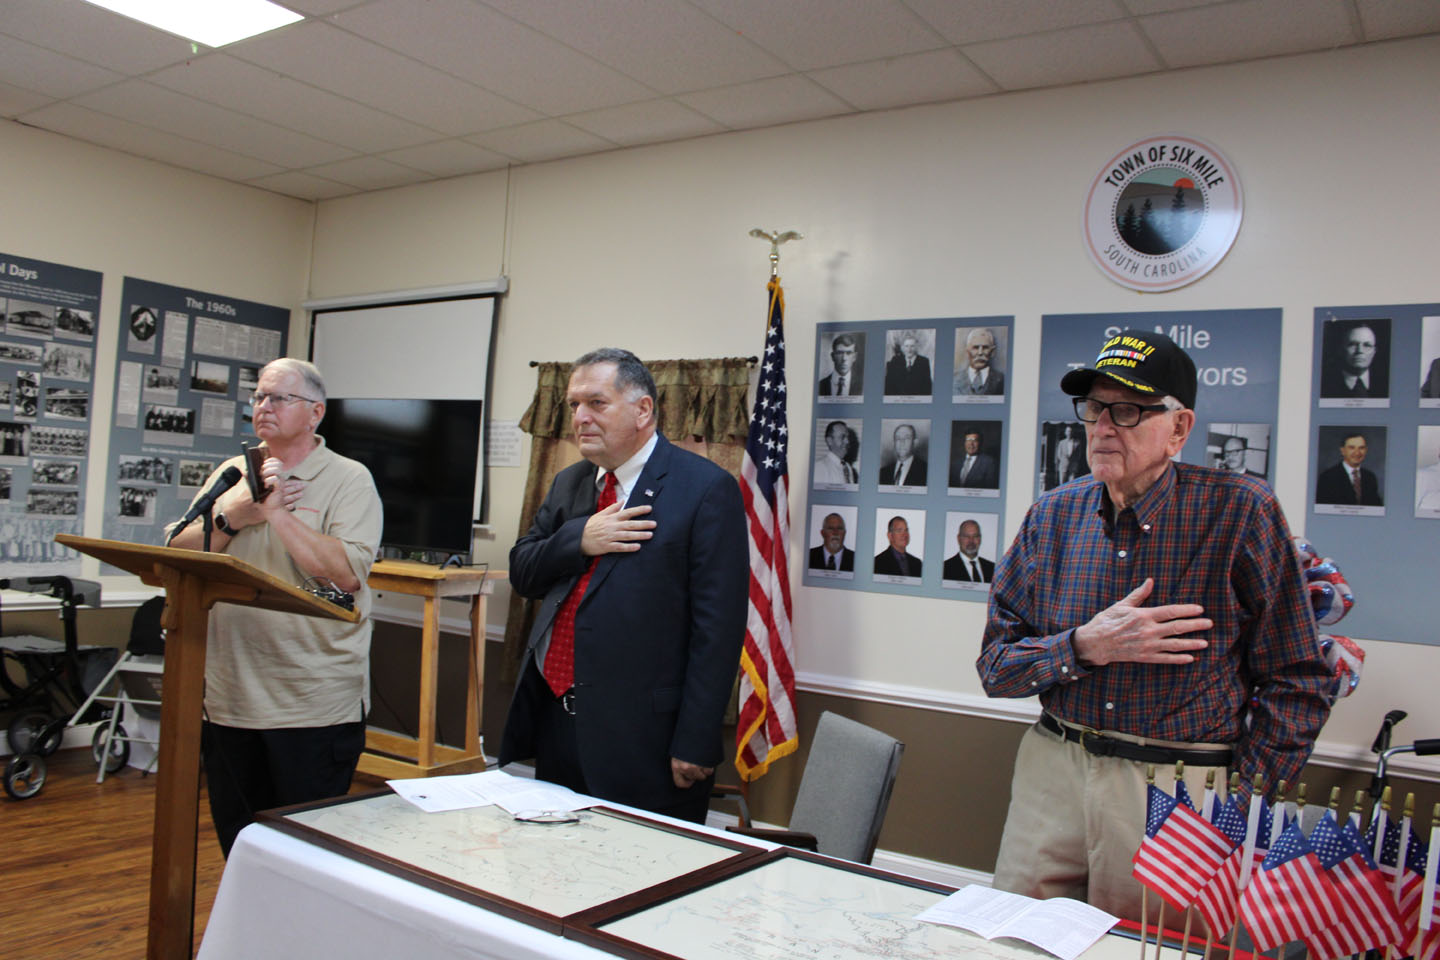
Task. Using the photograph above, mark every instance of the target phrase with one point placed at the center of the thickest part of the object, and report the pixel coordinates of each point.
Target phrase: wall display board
(1237, 361)
(908, 456)
(186, 365)
(1374, 470)
(535, 871)
(47, 380)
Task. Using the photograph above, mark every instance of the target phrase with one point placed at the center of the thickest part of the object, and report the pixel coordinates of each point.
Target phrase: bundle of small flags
(1286, 878)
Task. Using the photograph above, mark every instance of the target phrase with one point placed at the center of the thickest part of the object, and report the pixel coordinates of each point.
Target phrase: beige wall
(961, 209)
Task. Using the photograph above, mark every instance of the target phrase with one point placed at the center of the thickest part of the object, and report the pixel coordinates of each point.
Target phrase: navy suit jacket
(659, 631)
(1333, 486)
(956, 568)
(985, 472)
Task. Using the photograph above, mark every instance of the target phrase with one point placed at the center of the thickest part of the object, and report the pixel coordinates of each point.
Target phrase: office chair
(844, 791)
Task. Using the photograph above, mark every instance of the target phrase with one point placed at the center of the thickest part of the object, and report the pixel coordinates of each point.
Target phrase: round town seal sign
(1162, 213)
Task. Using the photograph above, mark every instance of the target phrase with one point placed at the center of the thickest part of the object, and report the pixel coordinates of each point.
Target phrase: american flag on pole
(1180, 851)
(1290, 896)
(1368, 918)
(766, 729)
(1219, 898)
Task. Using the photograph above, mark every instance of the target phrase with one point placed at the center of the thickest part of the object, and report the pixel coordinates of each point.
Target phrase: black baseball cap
(1139, 360)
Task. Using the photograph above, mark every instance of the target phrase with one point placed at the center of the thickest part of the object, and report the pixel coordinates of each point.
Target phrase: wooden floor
(75, 864)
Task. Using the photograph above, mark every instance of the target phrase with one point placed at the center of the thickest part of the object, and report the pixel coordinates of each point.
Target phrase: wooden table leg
(429, 682)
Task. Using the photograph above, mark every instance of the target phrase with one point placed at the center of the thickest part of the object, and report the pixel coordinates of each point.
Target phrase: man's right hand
(1129, 632)
(614, 530)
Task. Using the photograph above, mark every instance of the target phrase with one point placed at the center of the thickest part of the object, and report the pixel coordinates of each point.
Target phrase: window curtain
(703, 408)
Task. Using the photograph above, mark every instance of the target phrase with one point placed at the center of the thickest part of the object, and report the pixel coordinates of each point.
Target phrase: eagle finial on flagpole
(776, 238)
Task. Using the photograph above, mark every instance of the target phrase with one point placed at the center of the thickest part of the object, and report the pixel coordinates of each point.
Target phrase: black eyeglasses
(1122, 413)
(278, 399)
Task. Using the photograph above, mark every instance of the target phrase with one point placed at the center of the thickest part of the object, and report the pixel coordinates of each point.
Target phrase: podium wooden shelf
(194, 581)
(397, 757)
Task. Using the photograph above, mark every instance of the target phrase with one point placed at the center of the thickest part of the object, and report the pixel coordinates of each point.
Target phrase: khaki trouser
(1075, 821)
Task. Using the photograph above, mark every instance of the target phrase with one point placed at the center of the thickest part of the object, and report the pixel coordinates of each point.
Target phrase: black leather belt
(1101, 746)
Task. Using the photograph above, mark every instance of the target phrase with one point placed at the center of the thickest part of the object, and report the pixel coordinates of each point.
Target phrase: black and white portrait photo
(909, 355)
(1355, 369)
(904, 455)
(1242, 448)
(837, 454)
(842, 367)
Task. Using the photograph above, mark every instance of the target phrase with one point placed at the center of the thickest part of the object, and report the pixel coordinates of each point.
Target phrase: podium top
(232, 580)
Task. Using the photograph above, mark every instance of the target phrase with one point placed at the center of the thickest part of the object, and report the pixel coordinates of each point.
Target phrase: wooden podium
(395, 757)
(194, 581)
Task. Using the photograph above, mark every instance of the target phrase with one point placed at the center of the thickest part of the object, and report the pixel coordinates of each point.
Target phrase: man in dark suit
(973, 468)
(832, 554)
(907, 469)
(1347, 482)
(1354, 373)
(1232, 457)
(847, 379)
(967, 565)
(978, 377)
(908, 374)
(634, 651)
(895, 560)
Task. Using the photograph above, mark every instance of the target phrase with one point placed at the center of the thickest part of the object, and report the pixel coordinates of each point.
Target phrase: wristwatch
(223, 525)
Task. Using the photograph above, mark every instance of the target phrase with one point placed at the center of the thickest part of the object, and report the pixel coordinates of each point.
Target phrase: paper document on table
(513, 794)
(1064, 927)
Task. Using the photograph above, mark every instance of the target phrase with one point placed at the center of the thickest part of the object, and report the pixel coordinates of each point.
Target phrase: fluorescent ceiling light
(211, 22)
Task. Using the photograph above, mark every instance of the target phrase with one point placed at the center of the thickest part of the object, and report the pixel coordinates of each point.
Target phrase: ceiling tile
(1248, 29)
(296, 184)
(342, 63)
(483, 46)
(87, 32)
(978, 20)
(448, 158)
(666, 44)
(15, 101)
(107, 131)
(152, 106)
(370, 173)
(764, 103)
(1058, 57)
(901, 81)
(811, 34)
(45, 71)
(1383, 19)
(543, 140)
(1139, 7)
(654, 121)
(222, 80)
(320, 8)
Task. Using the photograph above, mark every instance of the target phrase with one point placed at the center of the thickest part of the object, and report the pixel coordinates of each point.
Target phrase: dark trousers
(557, 750)
(251, 770)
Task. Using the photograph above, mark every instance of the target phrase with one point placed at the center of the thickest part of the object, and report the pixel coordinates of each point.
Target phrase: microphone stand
(209, 523)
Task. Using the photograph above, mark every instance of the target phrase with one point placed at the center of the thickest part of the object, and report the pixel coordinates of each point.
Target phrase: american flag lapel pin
(649, 492)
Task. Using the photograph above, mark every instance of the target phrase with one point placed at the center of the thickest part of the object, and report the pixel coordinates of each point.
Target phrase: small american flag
(766, 729)
(1368, 918)
(1290, 895)
(1218, 899)
(1180, 852)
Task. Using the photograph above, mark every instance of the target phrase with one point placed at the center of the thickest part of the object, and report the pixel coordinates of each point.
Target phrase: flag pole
(1144, 890)
(1251, 833)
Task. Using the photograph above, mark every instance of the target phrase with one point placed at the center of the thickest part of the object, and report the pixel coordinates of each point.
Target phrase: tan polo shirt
(265, 669)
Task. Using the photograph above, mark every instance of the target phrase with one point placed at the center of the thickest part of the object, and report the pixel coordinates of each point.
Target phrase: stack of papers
(1064, 927)
(513, 794)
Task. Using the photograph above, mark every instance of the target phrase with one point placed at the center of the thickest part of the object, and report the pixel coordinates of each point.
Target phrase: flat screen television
(424, 456)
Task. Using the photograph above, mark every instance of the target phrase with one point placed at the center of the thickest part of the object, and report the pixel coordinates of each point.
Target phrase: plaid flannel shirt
(1206, 536)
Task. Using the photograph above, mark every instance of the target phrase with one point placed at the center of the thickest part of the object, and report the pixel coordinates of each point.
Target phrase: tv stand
(393, 756)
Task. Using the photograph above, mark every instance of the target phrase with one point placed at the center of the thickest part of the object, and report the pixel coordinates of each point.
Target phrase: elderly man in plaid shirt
(1157, 610)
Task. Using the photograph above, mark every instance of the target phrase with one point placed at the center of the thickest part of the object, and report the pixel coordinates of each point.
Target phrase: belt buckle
(1095, 744)
(567, 702)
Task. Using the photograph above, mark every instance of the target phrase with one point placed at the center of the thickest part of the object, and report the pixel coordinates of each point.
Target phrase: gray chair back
(845, 789)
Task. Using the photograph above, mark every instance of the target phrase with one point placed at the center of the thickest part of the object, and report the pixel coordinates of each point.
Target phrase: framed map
(789, 904)
(539, 873)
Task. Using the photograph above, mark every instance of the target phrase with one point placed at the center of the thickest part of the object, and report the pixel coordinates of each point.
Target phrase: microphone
(225, 481)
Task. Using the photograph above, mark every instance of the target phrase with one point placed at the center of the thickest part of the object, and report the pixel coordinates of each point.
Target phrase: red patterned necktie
(560, 658)
(1355, 484)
